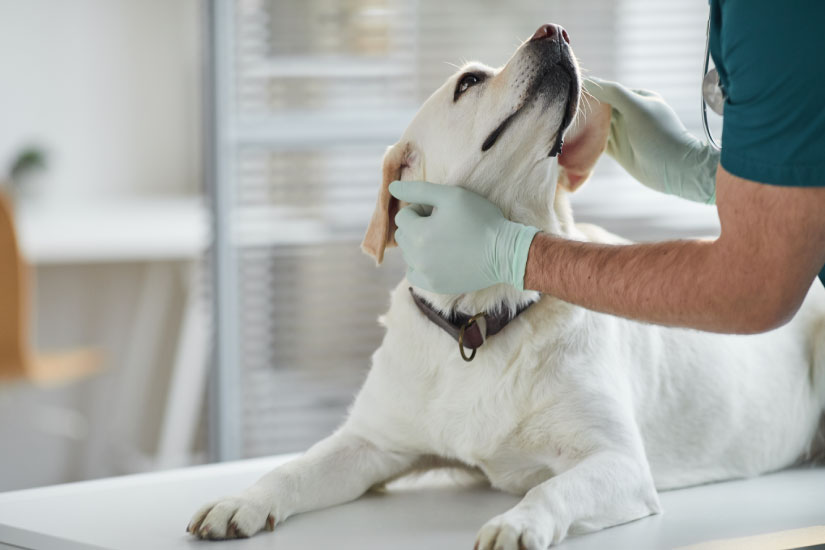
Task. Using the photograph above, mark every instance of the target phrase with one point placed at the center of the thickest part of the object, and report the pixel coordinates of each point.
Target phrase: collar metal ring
(464, 327)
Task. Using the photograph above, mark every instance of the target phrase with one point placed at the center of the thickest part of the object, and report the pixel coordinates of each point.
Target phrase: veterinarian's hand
(463, 244)
(651, 143)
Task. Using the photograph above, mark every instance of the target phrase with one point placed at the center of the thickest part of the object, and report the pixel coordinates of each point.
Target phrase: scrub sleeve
(771, 60)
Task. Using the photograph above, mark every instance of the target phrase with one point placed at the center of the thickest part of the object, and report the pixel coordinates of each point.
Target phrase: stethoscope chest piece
(712, 92)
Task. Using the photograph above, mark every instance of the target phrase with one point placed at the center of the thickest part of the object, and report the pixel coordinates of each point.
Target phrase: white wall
(111, 88)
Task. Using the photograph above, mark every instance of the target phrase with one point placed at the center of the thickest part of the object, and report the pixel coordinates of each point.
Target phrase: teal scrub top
(771, 60)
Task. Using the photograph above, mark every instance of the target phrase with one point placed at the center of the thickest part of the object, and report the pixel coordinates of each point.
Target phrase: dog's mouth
(566, 67)
(569, 112)
(495, 134)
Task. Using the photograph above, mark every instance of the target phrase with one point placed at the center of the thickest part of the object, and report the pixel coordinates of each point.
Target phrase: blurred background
(185, 184)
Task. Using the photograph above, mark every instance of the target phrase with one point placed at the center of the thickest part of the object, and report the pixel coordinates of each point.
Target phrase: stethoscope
(713, 95)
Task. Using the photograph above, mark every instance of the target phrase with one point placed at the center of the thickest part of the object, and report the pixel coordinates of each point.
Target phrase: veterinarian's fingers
(415, 279)
(422, 210)
(407, 219)
(615, 94)
(646, 93)
(405, 244)
(421, 192)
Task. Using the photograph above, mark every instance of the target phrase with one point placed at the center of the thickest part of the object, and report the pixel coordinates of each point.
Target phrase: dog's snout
(550, 31)
(545, 31)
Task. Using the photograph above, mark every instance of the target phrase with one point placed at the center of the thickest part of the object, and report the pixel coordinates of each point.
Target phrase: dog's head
(488, 129)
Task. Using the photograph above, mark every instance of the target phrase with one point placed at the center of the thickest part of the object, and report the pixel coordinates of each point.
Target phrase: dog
(584, 414)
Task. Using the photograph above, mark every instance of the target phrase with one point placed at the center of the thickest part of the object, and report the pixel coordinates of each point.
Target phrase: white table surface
(115, 229)
(150, 511)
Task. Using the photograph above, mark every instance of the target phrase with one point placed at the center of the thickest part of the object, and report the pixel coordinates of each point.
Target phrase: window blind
(319, 88)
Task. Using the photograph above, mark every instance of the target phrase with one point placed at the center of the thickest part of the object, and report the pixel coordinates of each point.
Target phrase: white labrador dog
(584, 414)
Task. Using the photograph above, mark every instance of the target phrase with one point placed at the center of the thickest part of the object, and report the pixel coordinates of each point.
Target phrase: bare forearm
(676, 283)
(752, 278)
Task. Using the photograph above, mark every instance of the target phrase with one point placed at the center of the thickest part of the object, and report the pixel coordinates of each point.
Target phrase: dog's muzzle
(553, 42)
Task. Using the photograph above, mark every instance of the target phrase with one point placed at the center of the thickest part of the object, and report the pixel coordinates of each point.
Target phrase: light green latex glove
(651, 143)
(464, 244)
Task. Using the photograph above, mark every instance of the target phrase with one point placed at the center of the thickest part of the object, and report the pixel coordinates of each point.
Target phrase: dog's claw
(195, 526)
(230, 518)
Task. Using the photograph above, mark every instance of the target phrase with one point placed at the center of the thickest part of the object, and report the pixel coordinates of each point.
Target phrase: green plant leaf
(28, 160)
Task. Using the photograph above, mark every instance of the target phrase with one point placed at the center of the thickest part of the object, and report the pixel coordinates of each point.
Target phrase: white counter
(151, 511)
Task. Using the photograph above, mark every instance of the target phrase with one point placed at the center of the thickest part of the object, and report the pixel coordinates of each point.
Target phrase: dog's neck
(532, 200)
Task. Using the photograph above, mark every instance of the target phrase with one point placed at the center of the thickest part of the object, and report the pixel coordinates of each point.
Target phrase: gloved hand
(463, 244)
(651, 143)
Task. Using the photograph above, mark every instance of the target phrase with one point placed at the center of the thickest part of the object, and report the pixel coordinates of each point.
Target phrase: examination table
(150, 512)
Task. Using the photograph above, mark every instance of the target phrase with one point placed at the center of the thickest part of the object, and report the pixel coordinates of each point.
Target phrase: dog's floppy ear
(584, 142)
(381, 230)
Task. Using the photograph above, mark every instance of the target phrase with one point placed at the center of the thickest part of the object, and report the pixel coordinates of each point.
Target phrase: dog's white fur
(585, 414)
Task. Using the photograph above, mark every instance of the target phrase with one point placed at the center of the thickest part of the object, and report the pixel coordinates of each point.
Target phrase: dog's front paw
(516, 529)
(229, 518)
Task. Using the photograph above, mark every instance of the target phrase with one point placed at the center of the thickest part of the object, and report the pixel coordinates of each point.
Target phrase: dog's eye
(465, 82)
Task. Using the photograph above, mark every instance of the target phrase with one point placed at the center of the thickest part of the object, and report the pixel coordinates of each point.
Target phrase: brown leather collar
(463, 328)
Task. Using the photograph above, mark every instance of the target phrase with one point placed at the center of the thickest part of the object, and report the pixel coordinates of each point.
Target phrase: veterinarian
(768, 184)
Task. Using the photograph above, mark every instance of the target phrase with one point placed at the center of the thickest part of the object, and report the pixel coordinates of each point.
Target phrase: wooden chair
(17, 360)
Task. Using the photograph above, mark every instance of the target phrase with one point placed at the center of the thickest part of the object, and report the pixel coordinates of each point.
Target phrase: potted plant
(26, 169)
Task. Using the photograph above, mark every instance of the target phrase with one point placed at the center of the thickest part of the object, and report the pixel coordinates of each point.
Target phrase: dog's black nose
(550, 31)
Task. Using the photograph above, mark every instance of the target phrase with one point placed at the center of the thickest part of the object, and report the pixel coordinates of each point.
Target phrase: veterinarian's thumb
(420, 192)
